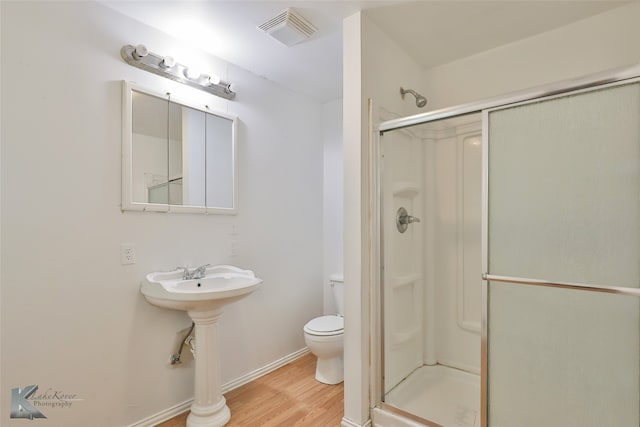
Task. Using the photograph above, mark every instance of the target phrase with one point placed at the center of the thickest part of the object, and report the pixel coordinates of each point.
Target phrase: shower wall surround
(73, 318)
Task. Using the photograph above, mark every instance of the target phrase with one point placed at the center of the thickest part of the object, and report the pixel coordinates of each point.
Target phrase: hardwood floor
(287, 397)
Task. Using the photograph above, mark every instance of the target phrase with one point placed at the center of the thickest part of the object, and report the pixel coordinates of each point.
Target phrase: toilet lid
(325, 325)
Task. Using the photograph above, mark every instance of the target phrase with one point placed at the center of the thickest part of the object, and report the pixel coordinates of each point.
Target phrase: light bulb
(214, 79)
(168, 62)
(140, 52)
(192, 73)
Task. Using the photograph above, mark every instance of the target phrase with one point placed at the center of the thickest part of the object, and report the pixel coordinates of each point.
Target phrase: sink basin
(203, 300)
(221, 285)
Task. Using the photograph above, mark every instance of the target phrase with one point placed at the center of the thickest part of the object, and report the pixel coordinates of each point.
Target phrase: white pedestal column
(209, 408)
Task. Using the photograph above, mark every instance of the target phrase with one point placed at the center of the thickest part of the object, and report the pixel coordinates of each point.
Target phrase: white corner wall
(72, 317)
(356, 382)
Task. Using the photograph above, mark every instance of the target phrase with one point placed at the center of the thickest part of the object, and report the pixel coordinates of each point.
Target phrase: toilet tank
(336, 281)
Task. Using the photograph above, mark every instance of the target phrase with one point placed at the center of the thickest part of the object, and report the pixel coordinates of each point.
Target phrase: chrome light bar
(165, 66)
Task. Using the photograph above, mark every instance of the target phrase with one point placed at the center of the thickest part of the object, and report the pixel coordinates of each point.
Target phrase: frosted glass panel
(562, 358)
(564, 188)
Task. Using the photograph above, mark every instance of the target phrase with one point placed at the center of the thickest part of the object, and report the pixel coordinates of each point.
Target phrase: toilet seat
(325, 326)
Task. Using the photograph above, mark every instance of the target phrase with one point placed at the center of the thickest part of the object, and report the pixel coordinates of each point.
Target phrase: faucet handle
(196, 273)
(199, 272)
(186, 274)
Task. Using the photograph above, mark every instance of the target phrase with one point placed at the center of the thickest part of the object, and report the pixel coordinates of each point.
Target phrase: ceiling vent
(288, 28)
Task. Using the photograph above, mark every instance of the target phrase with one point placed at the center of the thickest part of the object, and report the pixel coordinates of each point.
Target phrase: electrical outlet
(127, 254)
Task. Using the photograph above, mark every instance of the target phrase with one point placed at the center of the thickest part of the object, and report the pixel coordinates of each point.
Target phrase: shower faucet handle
(408, 219)
(403, 219)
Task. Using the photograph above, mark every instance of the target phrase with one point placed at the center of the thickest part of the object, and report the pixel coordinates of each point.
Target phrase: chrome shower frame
(376, 242)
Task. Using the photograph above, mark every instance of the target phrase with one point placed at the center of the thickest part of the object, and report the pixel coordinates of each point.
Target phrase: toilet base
(330, 371)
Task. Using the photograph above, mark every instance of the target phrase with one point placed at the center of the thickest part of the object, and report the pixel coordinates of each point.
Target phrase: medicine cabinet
(177, 157)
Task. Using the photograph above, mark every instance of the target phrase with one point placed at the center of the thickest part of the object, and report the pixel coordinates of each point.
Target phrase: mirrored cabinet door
(189, 163)
(149, 149)
(220, 158)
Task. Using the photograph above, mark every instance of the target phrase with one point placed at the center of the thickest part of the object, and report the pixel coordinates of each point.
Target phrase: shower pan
(508, 239)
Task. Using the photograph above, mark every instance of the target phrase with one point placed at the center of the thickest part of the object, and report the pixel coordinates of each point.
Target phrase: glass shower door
(430, 189)
(563, 261)
(403, 247)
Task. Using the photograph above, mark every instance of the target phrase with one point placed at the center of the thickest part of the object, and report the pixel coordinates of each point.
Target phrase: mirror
(176, 157)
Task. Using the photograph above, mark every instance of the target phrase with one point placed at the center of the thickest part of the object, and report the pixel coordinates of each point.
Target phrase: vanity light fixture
(140, 57)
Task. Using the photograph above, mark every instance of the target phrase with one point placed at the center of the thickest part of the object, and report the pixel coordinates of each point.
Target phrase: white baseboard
(348, 423)
(167, 414)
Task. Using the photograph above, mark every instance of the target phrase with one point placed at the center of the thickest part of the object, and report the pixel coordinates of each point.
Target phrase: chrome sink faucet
(196, 273)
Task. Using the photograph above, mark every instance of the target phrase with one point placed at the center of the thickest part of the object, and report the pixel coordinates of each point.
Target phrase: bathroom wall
(332, 196)
(73, 319)
(374, 67)
(598, 43)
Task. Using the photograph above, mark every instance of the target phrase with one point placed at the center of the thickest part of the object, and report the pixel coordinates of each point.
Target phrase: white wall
(333, 196)
(356, 318)
(386, 68)
(371, 70)
(374, 67)
(73, 319)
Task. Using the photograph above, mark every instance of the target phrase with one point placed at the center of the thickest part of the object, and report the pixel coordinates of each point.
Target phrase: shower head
(421, 101)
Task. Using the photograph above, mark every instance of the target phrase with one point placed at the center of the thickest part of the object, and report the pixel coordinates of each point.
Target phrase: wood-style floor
(287, 397)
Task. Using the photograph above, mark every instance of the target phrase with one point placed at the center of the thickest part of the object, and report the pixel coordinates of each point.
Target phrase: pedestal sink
(203, 300)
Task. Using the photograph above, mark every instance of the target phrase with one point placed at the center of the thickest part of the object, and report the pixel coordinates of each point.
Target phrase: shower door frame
(611, 77)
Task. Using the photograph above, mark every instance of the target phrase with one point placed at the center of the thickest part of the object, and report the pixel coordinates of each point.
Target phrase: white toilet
(324, 336)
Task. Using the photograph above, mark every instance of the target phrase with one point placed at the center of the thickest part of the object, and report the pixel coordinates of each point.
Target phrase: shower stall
(432, 297)
(508, 260)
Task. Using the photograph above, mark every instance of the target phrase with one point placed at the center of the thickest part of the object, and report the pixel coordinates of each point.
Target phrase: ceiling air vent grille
(288, 27)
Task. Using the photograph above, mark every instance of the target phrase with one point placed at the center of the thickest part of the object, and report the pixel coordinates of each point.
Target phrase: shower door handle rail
(563, 285)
